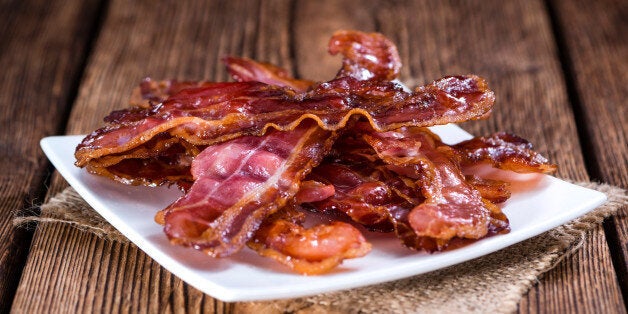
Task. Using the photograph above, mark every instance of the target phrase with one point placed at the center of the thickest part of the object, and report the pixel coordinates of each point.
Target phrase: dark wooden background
(559, 70)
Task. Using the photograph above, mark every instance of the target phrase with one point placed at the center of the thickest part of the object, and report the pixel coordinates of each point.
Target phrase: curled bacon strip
(366, 55)
(493, 190)
(238, 184)
(220, 111)
(361, 198)
(504, 151)
(242, 151)
(309, 251)
(453, 208)
(247, 70)
(161, 160)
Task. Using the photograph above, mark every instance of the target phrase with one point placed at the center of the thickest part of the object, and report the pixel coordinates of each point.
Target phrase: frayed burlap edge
(68, 207)
(493, 283)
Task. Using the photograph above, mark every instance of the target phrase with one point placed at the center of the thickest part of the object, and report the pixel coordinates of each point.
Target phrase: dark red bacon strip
(504, 151)
(309, 251)
(242, 150)
(247, 70)
(360, 197)
(221, 111)
(151, 92)
(239, 183)
(453, 208)
(367, 56)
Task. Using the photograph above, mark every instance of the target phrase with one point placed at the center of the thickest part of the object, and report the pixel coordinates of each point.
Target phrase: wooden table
(559, 69)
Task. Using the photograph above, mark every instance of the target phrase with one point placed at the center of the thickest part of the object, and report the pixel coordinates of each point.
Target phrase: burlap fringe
(493, 283)
(68, 207)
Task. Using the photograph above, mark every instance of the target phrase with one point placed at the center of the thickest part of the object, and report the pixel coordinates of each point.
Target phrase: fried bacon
(218, 112)
(374, 192)
(360, 197)
(308, 251)
(151, 92)
(504, 151)
(250, 153)
(239, 183)
(453, 208)
(247, 70)
(366, 56)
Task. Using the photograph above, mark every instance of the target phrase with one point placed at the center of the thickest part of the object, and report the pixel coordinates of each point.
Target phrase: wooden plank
(594, 39)
(43, 45)
(72, 271)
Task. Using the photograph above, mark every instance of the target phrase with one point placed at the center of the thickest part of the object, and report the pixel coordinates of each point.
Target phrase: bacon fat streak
(239, 183)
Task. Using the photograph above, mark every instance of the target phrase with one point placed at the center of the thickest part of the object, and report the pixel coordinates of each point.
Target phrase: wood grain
(511, 43)
(594, 38)
(71, 271)
(43, 45)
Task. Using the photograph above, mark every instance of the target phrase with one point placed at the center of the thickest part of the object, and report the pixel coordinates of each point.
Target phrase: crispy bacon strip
(160, 161)
(247, 70)
(360, 197)
(367, 56)
(238, 184)
(309, 251)
(495, 191)
(149, 91)
(314, 191)
(504, 151)
(220, 111)
(453, 208)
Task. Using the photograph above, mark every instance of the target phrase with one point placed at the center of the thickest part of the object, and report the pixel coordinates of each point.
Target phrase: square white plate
(539, 203)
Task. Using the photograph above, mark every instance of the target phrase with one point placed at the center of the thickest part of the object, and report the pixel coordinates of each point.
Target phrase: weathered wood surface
(594, 36)
(513, 44)
(42, 47)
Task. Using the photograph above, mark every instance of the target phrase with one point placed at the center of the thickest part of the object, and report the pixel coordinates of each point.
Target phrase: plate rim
(231, 294)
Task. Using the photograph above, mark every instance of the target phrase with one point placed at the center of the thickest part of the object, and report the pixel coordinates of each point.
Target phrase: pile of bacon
(256, 156)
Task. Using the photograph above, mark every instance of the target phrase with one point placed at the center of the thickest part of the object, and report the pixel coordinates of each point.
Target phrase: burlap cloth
(491, 284)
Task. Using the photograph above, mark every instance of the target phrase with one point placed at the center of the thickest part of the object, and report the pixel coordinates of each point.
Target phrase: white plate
(539, 203)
